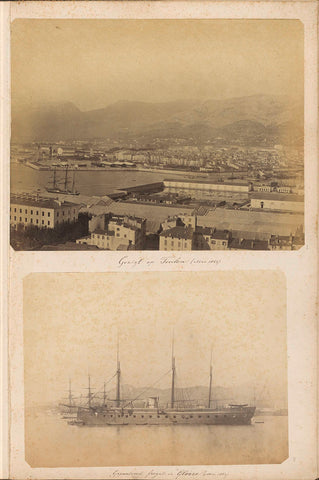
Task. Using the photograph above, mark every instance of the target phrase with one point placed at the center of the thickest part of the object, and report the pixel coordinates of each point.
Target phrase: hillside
(254, 119)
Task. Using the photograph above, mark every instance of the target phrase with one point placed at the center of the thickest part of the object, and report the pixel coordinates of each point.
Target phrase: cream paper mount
(257, 310)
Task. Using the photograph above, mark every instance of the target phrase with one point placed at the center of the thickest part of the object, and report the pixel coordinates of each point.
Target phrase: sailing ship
(65, 191)
(123, 411)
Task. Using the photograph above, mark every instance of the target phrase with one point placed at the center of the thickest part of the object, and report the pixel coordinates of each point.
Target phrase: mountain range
(254, 119)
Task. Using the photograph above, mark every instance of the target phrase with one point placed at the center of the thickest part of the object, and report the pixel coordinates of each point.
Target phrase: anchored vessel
(66, 191)
(123, 412)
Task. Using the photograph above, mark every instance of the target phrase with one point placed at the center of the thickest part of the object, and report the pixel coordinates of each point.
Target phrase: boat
(65, 191)
(123, 411)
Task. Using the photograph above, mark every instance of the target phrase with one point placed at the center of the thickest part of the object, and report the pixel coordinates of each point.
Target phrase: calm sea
(51, 442)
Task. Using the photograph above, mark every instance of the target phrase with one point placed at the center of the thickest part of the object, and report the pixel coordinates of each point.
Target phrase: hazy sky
(71, 323)
(93, 63)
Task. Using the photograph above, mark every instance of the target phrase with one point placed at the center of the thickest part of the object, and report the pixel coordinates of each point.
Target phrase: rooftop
(211, 182)
(213, 232)
(247, 244)
(178, 232)
(36, 201)
(286, 197)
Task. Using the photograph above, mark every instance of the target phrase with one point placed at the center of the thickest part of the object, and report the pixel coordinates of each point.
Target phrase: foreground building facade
(41, 212)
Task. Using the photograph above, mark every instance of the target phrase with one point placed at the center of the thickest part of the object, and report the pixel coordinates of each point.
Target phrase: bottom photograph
(155, 368)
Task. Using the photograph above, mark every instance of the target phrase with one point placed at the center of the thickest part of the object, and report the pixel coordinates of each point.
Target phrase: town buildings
(116, 232)
(41, 212)
(177, 238)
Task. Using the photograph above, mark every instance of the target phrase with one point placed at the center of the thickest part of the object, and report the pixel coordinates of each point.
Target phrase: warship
(120, 411)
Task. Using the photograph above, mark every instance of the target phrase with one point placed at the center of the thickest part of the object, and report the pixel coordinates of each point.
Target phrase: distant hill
(199, 394)
(278, 119)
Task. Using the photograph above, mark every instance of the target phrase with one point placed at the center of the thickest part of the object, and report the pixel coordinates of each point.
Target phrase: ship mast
(54, 178)
(66, 179)
(210, 380)
(73, 183)
(70, 393)
(173, 375)
(104, 395)
(118, 376)
(89, 391)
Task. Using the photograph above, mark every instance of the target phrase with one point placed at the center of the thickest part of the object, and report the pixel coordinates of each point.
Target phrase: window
(42, 214)
(102, 237)
(48, 222)
(224, 243)
(31, 212)
(199, 416)
(48, 214)
(26, 211)
(37, 221)
(42, 222)
(57, 214)
(142, 416)
(25, 219)
(150, 416)
(37, 212)
(20, 210)
(125, 235)
(15, 209)
(31, 220)
(20, 219)
(117, 234)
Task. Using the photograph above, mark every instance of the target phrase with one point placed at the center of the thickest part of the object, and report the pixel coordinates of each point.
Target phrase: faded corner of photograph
(168, 135)
(173, 379)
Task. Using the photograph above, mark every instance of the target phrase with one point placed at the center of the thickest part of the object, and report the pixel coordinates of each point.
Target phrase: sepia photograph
(155, 368)
(157, 134)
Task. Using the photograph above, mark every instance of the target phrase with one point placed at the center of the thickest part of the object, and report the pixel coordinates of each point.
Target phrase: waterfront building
(41, 212)
(206, 186)
(277, 201)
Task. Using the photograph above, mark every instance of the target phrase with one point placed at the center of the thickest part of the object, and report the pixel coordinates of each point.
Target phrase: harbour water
(51, 442)
(99, 182)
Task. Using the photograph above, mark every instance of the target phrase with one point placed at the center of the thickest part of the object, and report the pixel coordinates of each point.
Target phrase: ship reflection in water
(51, 442)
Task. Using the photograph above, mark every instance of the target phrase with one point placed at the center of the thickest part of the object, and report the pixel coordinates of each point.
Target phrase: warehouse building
(278, 201)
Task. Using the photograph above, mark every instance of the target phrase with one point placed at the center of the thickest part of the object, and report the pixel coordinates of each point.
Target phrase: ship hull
(100, 416)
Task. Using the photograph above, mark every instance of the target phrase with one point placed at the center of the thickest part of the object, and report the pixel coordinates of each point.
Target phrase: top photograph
(169, 135)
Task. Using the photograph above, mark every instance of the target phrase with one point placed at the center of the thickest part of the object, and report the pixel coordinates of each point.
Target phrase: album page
(159, 226)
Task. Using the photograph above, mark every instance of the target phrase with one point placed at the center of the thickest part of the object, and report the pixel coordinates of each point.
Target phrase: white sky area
(71, 323)
(93, 63)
